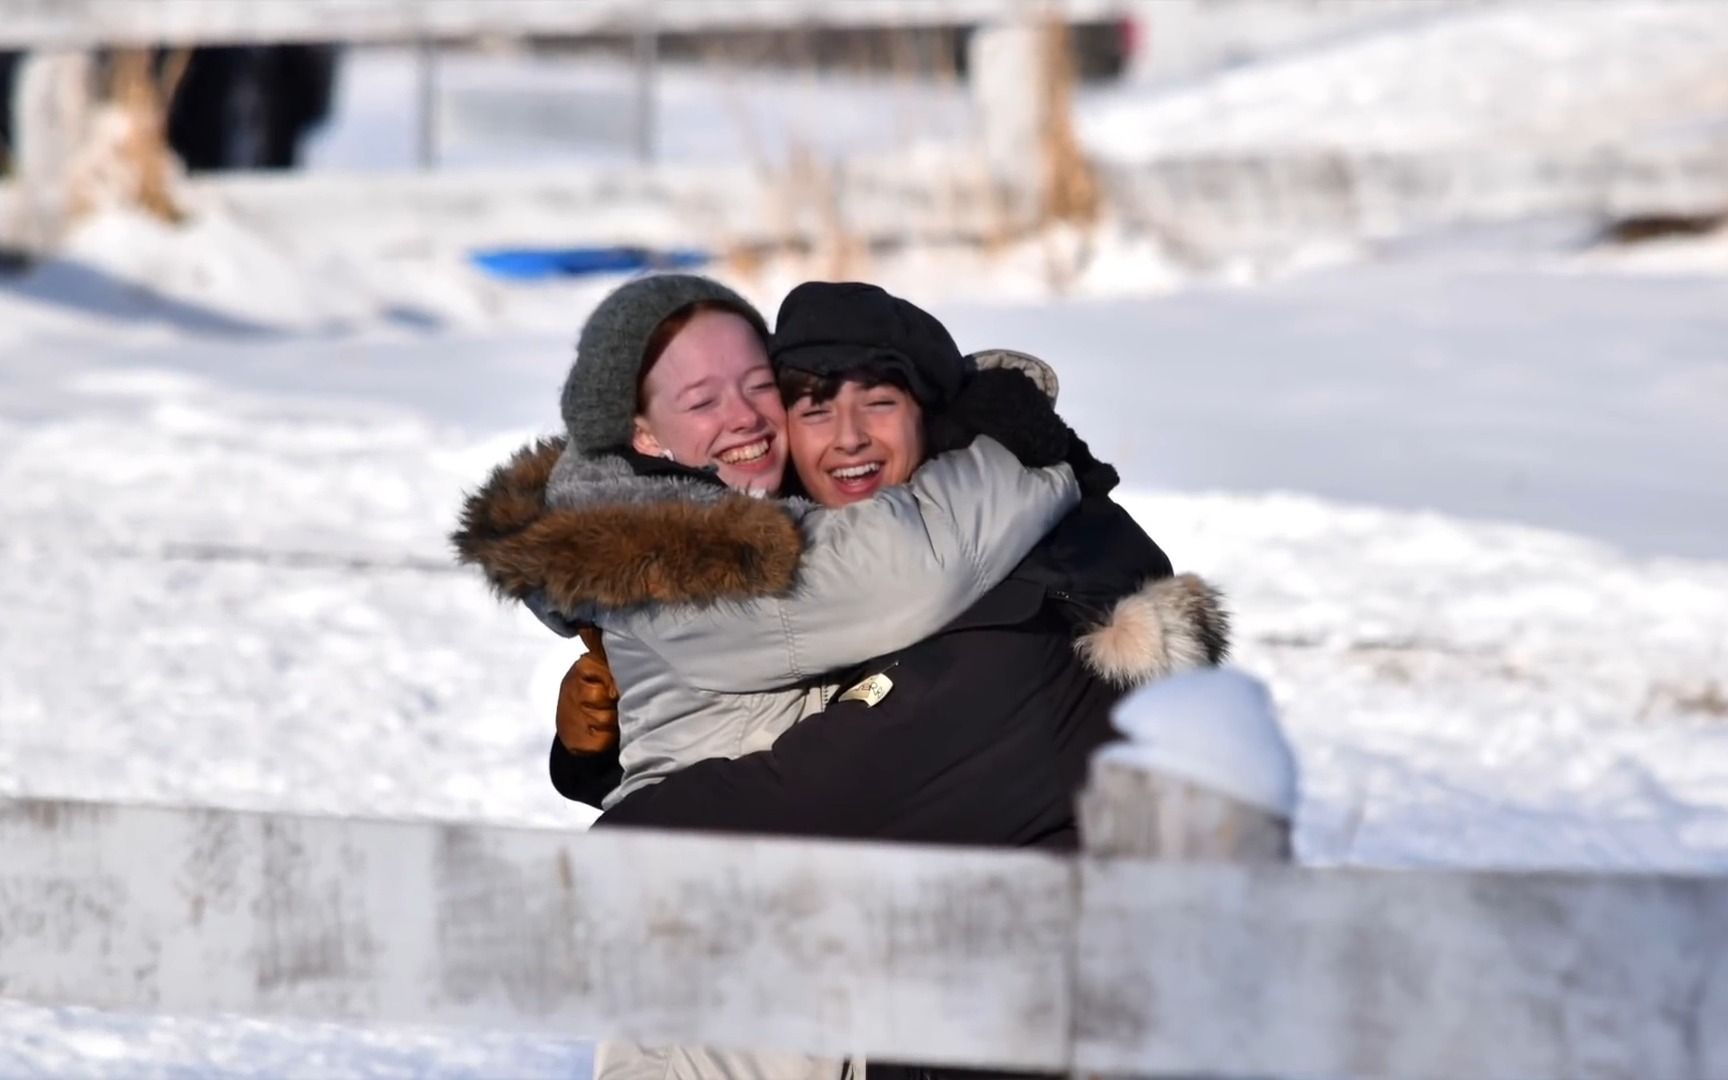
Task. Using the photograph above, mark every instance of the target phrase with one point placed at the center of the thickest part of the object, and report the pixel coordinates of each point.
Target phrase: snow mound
(215, 263)
(1216, 727)
(1518, 76)
(1468, 694)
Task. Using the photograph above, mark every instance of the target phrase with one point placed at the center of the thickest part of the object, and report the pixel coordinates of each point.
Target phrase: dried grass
(125, 160)
(1070, 193)
(1056, 204)
(1707, 700)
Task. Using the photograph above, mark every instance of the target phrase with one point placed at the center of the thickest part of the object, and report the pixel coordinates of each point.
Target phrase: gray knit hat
(599, 400)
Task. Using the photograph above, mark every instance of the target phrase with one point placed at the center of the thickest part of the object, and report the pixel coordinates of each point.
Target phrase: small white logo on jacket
(870, 691)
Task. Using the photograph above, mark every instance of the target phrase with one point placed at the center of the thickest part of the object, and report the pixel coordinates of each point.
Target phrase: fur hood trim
(1170, 624)
(589, 531)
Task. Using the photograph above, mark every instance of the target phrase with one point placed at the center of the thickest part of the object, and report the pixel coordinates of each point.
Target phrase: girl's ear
(643, 441)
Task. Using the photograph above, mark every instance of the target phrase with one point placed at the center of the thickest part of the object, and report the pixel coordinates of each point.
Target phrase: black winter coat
(984, 737)
(955, 753)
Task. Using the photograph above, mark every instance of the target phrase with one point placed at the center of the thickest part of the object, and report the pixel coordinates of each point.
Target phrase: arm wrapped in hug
(874, 576)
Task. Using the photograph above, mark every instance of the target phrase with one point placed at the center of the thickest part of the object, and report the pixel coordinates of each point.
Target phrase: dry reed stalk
(126, 160)
(1070, 201)
(1070, 189)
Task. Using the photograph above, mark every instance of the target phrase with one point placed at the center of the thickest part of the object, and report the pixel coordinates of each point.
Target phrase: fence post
(1006, 77)
(1203, 773)
(426, 146)
(53, 106)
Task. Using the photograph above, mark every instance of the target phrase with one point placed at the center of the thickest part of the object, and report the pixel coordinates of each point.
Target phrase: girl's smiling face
(710, 400)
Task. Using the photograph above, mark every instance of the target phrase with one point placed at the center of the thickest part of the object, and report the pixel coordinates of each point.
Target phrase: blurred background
(1406, 322)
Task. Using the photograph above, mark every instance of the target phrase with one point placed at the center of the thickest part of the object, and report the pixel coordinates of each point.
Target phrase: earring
(667, 454)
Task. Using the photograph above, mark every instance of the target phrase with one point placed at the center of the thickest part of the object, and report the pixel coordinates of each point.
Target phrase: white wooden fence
(1146, 954)
(86, 23)
(58, 31)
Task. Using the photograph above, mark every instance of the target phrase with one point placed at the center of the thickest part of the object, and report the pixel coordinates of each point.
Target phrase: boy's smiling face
(863, 439)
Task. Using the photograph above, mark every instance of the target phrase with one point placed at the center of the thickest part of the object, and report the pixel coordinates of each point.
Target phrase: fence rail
(83, 23)
(949, 955)
(1109, 963)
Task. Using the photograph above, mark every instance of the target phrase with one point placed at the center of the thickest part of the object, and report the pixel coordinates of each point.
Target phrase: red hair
(672, 325)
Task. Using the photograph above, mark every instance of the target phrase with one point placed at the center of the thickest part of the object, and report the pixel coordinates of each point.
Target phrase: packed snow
(1465, 499)
(1496, 78)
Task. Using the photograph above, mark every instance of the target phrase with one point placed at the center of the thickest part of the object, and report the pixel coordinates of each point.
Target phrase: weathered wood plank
(82, 23)
(1127, 811)
(927, 954)
(1227, 969)
(934, 954)
(1137, 814)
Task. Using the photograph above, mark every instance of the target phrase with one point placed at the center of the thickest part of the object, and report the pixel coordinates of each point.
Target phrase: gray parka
(723, 612)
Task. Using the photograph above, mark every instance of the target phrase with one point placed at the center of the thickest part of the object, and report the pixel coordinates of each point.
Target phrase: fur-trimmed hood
(590, 531)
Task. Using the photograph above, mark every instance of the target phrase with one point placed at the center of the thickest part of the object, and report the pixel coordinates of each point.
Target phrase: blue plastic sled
(533, 264)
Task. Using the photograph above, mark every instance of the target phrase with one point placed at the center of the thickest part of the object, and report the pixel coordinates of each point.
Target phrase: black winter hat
(829, 328)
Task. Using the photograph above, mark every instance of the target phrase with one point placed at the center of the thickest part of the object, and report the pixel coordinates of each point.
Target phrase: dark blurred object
(1648, 227)
(247, 107)
(1102, 48)
(236, 107)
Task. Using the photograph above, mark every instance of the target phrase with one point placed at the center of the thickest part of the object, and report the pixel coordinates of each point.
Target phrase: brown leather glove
(588, 700)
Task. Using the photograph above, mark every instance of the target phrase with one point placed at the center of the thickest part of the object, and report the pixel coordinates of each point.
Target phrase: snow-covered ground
(241, 541)
(1499, 77)
(227, 582)
(1466, 500)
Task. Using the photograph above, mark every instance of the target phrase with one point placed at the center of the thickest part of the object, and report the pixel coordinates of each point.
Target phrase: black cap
(830, 328)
